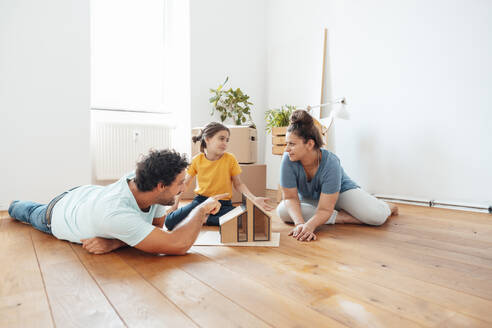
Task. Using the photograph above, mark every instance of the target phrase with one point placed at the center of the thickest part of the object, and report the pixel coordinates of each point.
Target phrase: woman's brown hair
(209, 131)
(302, 125)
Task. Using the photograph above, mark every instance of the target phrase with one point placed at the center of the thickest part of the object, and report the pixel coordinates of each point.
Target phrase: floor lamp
(325, 125)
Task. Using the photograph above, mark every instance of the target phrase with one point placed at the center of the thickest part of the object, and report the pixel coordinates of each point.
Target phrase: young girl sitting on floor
(215, 169)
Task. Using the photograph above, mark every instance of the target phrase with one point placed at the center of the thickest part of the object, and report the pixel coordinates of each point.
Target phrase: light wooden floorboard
(300, 280)
(134, 298)
(23, 299)
(75, 299)
(194, 297)
(426, 267)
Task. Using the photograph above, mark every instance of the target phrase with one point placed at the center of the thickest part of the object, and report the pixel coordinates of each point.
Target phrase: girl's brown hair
(302, 125)
(209, 131)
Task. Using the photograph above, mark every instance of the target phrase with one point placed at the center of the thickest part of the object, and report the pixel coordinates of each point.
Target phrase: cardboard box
(253, 176)
(242, 143)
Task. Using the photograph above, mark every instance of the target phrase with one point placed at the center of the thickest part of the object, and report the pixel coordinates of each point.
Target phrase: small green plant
(278, 117)
(231, 103)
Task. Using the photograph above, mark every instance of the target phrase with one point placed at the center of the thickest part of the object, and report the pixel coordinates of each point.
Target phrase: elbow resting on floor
(179, 248)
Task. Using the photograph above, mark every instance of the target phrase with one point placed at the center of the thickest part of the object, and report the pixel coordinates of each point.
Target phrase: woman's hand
(265, 203)
(303, 232)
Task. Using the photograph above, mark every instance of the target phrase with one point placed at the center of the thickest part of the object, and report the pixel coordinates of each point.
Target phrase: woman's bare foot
(344, 218)
(393, 208)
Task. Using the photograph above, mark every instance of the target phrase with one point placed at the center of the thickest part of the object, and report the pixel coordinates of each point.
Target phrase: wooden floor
(424, 268)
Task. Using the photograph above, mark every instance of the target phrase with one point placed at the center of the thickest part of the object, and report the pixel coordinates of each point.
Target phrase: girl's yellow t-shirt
(214, 177)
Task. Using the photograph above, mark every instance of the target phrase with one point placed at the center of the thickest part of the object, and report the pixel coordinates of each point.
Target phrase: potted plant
(230, 103)
(278, 118)
(277, 121)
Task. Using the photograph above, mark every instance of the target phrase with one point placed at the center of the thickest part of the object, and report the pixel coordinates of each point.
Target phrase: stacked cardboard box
(243, 143)
(278, 140)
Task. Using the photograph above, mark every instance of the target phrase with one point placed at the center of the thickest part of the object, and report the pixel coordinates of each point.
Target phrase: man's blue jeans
(30, 212)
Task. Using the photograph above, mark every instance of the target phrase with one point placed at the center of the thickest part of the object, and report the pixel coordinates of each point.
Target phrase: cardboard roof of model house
(247, 222)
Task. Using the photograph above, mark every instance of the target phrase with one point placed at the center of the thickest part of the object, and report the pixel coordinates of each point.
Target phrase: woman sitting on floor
(315, 188)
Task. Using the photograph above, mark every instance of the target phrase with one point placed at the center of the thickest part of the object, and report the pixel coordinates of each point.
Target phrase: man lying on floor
(127, 212)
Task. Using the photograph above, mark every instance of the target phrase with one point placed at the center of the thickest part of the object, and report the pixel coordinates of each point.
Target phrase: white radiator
(117, 147)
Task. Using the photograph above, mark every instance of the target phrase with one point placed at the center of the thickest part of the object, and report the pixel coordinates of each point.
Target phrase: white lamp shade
(340, 111)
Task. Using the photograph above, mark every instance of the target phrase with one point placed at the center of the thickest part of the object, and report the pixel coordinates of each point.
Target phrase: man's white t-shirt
(103, 211)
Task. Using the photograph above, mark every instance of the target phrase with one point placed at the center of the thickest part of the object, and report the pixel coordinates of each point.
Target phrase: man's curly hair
(159, 166)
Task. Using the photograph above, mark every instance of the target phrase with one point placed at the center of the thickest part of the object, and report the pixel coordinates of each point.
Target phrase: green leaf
(230, 103)
(278, 117)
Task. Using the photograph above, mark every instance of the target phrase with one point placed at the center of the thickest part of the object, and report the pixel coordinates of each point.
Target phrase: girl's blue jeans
(173, 218)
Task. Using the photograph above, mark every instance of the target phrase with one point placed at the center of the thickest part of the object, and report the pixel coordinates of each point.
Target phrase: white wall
(417, 76)
(294, 63)
(228, 39)
(177, 71)
(44, 98)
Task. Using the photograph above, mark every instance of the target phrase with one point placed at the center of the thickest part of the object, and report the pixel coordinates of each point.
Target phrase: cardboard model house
(247, 222)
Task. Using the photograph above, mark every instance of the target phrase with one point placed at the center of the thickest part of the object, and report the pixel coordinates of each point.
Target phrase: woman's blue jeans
(30, 212)
(173, 218)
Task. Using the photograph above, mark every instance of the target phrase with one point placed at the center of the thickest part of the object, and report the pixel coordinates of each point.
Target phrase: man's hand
(265, 203)
(98, 245)
(303, 232)
(212, 204)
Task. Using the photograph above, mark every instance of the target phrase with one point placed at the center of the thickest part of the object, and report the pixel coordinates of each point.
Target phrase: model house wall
(248, 222)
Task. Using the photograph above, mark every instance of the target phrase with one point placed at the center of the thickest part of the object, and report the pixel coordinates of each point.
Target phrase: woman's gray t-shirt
(329, 179)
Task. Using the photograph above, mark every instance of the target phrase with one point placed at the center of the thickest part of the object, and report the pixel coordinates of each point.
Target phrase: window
(140, 62)
(127, 55)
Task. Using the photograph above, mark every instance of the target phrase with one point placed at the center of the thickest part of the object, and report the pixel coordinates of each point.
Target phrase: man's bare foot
(393, 208)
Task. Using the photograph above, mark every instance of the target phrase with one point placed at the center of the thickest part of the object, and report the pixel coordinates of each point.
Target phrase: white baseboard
(480, 208)
(4, 206)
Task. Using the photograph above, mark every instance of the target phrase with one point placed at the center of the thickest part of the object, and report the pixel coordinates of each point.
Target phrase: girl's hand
(174, 207)
(303, 232)
(264, 202)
